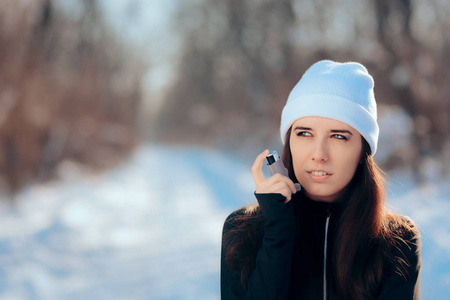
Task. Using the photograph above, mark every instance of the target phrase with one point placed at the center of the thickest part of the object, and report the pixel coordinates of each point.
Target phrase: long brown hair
(366, 232)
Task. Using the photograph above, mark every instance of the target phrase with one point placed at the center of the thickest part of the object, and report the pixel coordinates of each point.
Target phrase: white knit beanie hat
(339, 91)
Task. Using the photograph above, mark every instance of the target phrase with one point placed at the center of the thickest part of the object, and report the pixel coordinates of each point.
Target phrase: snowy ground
(151, 229)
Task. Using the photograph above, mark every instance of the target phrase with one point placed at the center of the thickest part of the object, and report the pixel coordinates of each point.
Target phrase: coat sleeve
(404, 280)
(271, 277)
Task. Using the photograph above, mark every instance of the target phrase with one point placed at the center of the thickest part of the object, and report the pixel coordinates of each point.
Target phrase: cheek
(348, 173)
(349, 166)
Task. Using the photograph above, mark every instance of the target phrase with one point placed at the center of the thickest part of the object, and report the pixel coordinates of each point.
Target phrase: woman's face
(325, 155)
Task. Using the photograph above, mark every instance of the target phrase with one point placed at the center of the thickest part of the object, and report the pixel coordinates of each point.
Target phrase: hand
(277, 183)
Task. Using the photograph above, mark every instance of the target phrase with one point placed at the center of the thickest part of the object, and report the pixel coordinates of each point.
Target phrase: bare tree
(69, 90)
(414, 81)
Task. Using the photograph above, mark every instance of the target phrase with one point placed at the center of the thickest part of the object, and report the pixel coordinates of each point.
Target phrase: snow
(429, 206)
(151, 228)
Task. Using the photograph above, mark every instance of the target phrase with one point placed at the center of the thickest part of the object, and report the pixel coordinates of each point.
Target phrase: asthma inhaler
(275, 165)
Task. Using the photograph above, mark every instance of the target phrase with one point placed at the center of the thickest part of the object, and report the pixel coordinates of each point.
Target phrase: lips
(319, 175)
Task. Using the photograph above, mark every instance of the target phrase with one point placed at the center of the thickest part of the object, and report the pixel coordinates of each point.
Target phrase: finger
(279, 187)
(270, 186)
(286, 192)
(258, 175)
(278, 177)
(283, 189)
(291, 185)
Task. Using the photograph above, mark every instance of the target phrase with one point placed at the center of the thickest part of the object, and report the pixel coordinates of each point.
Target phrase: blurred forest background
(123, 123)
(70, 91)
(74, 90)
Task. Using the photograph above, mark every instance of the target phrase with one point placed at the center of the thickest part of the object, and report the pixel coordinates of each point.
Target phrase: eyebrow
(341, 131)
(333, 130)
(302, 128)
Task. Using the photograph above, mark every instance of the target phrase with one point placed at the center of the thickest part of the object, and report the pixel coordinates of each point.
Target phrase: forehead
(322, 123)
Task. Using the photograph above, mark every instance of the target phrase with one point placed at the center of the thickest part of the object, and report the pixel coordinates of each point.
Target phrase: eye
(339, 137)
(304, 133)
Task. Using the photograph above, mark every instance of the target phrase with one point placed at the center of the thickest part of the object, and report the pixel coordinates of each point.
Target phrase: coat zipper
(325, 256)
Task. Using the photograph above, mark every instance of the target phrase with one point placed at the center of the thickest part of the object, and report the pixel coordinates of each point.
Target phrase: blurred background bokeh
(127, 129)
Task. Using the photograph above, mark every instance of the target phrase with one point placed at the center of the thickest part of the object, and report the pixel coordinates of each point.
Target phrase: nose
(320, 152)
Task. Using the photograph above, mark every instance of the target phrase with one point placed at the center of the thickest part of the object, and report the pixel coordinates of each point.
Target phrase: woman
(334, 239)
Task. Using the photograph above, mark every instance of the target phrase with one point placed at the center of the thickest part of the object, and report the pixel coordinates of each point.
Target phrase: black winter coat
(290, 263)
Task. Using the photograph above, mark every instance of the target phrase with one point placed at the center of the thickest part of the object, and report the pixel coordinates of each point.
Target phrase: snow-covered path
(151, 229)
